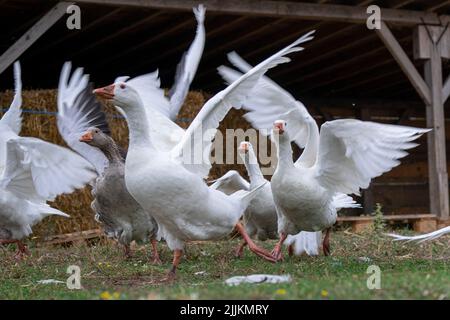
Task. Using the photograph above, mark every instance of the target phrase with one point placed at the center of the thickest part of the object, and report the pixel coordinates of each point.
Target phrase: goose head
(121, 94)
(279, 132)
(279, 127)
(244, 147)
(247, 153)
(96, 138)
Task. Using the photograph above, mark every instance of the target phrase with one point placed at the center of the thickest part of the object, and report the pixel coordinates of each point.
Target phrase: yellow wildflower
(281, 292)
(105, 295)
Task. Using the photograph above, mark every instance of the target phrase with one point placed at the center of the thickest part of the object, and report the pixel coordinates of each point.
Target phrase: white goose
(83, 126)
(169, 183)
(32, 172)
(341, 160)
(260, 218)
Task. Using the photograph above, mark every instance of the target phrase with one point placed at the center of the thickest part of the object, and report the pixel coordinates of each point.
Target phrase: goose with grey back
(83, 125)
(170, 183)
(32, 172)
(338, 161)
(122, 217)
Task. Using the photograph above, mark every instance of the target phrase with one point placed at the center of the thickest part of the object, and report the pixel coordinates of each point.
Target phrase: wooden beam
(404, 116)
(285, 9)
(405, 63)
(437, 162)
(34, 33)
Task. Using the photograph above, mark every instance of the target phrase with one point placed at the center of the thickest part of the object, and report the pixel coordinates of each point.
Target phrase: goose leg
(291, 250)
(21, 250)
(156, 259)
(326, 243)
(176, 261)
(276, 252)
(127, 251)
(240, 249)
(252, 246)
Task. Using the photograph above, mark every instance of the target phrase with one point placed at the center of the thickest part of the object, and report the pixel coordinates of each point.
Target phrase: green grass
(408, 271)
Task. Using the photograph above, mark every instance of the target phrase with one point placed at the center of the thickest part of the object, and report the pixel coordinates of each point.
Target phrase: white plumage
(260, 218)
(341, 160)
(170, 187)
(32, 172)
(80, 115)
(423, 237)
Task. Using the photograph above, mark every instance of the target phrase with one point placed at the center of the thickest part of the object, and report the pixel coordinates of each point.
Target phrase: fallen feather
(50, 281)
(258, 278)
(365, 259)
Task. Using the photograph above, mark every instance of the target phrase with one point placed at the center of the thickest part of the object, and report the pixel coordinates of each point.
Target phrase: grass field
(407, 271)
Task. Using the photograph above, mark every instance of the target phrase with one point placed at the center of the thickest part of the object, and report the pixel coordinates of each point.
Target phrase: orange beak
(243, 147)
(87, 137)
(105, 92)
(279, 127)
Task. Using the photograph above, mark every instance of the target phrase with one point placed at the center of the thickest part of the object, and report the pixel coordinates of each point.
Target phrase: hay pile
(41, 123)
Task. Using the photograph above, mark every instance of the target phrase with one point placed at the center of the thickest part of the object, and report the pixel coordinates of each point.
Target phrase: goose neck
(111, 152)
(284, 151)
(309, 155)
(253, 169)
(138, 126)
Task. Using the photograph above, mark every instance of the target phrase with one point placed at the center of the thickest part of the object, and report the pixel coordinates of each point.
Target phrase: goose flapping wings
(78, 110)
(39, 170)
(347, 154)
(194, 149)
(187, 68)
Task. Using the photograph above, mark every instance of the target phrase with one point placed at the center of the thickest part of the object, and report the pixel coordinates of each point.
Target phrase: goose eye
(122, 86)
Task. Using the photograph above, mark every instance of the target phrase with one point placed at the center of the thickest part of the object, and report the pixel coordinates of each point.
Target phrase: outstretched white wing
(11, 122)
(269, 102)
(188, 65)
(194, 149)
(78, 110)
(38, 170)
(352, 152)
(13, 117)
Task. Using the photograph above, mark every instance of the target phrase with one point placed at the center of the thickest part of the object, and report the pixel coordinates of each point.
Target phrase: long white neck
(284, 151)
(253, 169)
(309, 155)
(138, 126)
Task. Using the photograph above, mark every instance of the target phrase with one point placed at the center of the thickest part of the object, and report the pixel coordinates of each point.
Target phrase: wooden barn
(392, 70)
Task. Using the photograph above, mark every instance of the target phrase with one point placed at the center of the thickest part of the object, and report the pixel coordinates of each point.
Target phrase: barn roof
(345, 61)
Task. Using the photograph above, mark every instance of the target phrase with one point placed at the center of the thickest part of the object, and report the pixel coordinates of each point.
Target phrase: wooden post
(431, 43)
(437, 163)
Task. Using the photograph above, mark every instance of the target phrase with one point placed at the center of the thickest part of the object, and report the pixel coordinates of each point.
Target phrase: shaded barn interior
(346, 71)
